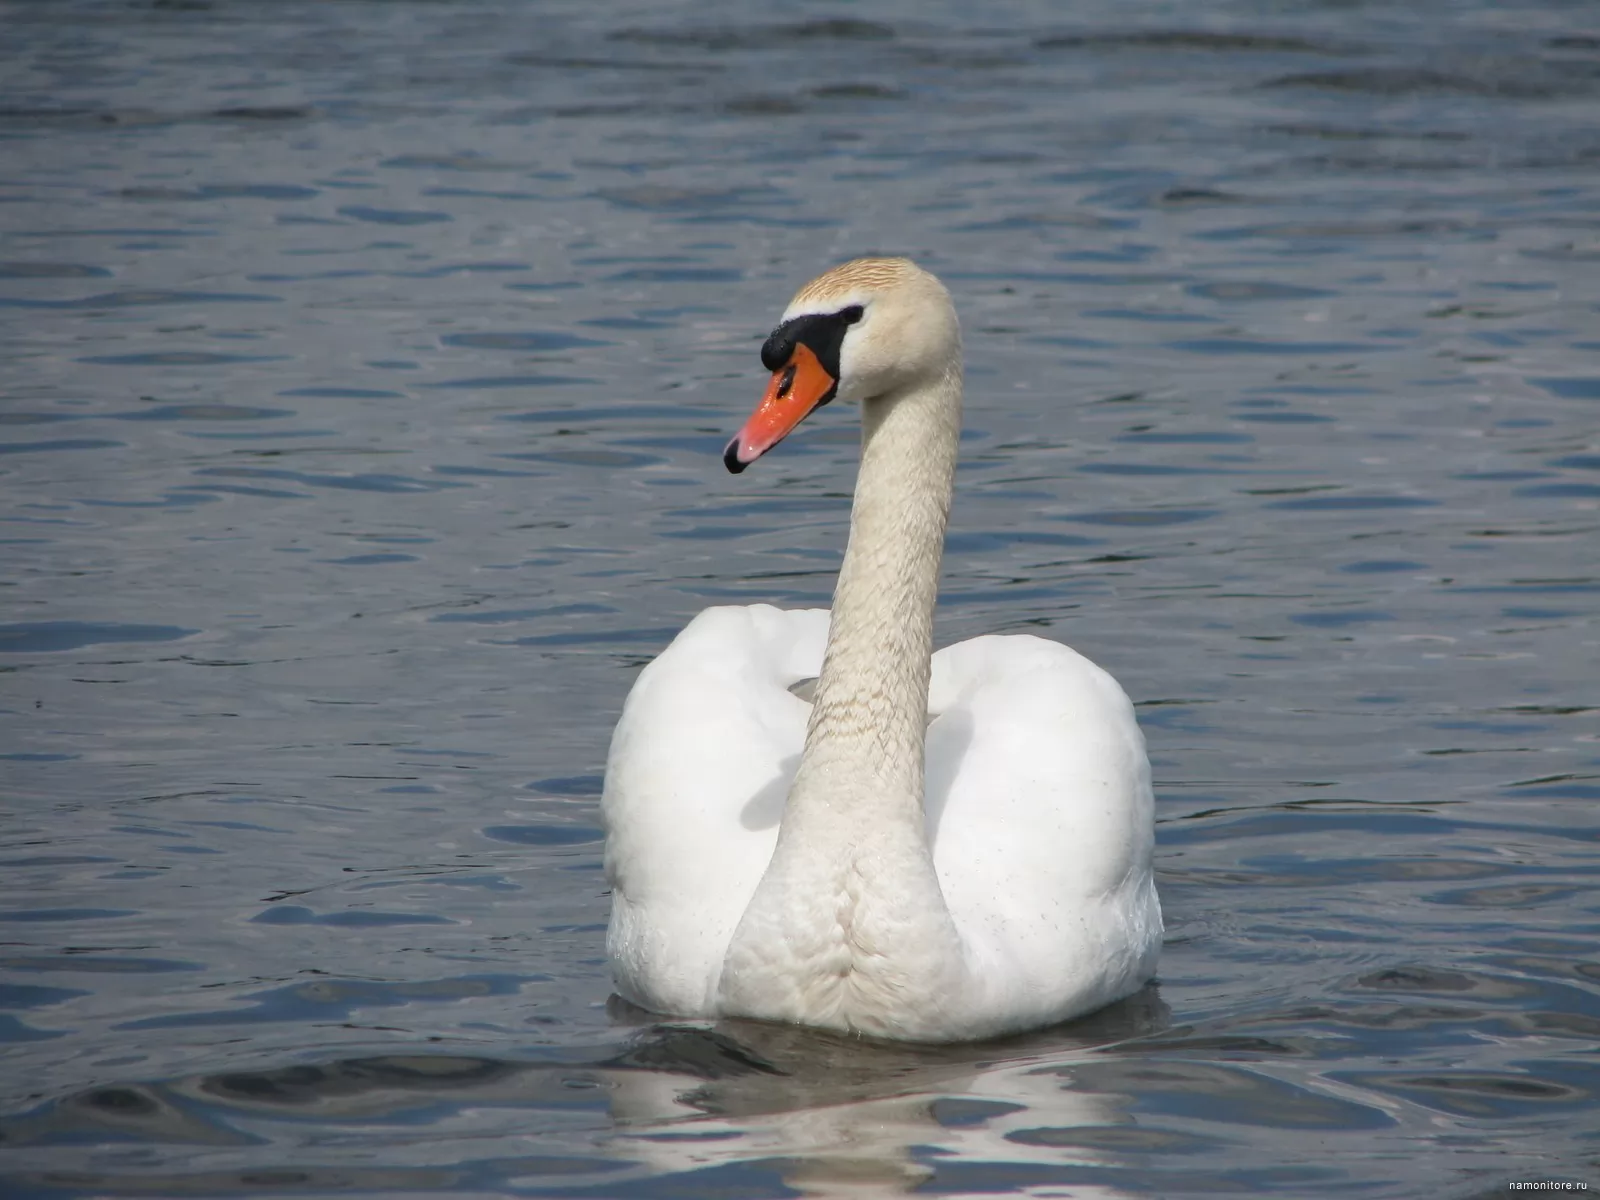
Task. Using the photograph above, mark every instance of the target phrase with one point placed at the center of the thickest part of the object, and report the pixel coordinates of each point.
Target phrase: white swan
(939, 847)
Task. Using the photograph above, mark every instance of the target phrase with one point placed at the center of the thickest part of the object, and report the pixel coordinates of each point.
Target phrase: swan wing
(1041, 819)
(700, 763)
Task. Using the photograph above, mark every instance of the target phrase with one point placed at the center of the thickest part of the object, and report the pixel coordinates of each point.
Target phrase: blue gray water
(365, 369)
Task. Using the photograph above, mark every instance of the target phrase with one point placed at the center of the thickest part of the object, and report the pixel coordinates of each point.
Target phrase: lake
(364, 374)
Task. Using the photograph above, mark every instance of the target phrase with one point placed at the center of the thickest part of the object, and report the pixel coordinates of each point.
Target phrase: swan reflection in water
(817, 1113)
(848, 1113)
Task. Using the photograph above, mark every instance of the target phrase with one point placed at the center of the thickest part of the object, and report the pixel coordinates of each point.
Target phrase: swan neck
(864, 744)
(849, 920)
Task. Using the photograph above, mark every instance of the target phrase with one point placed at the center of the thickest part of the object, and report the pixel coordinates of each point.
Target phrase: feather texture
(939, 846)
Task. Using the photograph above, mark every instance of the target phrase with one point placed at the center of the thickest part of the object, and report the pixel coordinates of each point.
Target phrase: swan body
(938, 846)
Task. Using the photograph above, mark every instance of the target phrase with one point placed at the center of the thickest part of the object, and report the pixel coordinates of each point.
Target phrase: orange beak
(797, 387)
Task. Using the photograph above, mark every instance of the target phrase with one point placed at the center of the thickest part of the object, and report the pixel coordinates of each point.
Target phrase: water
(365, 373)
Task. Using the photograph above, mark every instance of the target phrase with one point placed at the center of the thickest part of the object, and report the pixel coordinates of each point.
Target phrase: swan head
(865, 329)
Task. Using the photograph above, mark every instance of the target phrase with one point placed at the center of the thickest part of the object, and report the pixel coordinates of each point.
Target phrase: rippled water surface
(365, 369)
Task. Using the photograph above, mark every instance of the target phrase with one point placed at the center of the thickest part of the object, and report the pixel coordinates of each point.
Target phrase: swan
(930, 847)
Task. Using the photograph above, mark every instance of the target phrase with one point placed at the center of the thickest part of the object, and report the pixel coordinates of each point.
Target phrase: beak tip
(731, 459)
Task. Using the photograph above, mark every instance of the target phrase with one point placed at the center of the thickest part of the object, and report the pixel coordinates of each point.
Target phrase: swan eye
(823, 333)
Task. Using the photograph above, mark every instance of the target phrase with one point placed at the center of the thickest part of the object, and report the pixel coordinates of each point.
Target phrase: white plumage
(940, 847)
